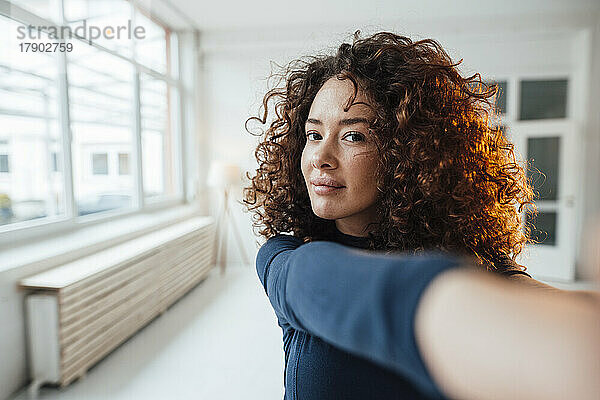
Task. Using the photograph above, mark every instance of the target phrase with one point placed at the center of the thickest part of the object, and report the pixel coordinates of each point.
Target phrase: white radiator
(78, 312)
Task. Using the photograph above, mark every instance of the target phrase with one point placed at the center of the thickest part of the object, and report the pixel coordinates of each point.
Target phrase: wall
(589, 250)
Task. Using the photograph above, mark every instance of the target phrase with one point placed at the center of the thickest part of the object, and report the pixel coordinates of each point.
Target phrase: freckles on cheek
(363, 162)
(363, 170)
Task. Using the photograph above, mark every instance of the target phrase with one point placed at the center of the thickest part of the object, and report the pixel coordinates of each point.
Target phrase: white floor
(220, 341)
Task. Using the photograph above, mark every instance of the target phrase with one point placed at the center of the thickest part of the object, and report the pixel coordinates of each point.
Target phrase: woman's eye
(357, 137)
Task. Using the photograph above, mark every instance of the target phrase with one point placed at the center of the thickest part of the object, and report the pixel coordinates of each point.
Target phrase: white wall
(590, 217)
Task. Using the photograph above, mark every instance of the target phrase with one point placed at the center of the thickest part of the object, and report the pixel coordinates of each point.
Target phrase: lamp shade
(222, 174)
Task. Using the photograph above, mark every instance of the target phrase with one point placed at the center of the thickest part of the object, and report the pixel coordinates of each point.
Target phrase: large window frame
(20, 232)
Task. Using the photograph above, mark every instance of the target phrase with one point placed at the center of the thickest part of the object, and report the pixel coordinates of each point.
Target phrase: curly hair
(447, 176)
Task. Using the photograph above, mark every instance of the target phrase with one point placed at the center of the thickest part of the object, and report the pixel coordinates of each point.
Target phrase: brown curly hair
(448, 177)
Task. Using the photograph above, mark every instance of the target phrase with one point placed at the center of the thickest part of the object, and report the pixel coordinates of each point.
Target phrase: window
(123, 164)
(543, 154)
(501, 97)
(111, 104)
(30, 121)
(157, 137)
(103, 13)
(499, 100)
(101, 110)
(100, 164)
(54, 162)
(542, 99)
(4, 163)
(43, 8)
(152, 51)
(543, 227)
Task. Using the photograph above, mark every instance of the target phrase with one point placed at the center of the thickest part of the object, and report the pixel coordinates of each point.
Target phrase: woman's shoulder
(276, 244)
(269, 250)
(282, 239)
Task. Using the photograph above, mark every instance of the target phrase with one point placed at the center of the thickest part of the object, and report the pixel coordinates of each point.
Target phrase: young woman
(383, 164)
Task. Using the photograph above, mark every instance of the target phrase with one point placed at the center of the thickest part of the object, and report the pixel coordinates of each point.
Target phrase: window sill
(19, 233)
(45, 253)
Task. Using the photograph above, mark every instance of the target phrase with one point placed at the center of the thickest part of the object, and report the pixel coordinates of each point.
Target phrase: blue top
(347, 317)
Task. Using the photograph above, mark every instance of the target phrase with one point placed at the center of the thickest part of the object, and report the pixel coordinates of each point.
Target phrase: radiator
(78, 312)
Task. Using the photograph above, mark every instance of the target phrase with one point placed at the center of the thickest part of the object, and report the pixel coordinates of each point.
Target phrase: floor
(220, 341)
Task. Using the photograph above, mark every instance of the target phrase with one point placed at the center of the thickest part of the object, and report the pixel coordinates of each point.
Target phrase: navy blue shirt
(347, 317)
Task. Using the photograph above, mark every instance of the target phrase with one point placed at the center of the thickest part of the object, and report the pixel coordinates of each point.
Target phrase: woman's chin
(326, 213)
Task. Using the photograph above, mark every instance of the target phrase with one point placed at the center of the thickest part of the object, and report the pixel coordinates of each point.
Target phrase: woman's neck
(352, 229)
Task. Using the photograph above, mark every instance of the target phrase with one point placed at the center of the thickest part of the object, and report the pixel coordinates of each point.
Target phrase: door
(546, 137)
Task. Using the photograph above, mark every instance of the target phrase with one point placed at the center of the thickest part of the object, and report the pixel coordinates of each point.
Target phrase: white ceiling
(265, 14)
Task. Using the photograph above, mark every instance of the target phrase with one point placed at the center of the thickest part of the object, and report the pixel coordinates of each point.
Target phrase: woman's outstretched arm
(359, 301)
(483, 337)
(479, 335)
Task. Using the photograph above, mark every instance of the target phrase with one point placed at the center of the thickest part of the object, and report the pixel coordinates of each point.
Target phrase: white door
(546, 137)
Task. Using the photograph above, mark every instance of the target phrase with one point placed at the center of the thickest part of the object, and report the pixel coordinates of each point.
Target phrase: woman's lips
(323, 189)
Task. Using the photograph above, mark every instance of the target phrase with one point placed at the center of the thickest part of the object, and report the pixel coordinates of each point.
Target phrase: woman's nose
(323, 158)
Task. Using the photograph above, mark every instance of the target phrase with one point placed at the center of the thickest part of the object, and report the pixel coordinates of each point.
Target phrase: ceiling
(265, 14)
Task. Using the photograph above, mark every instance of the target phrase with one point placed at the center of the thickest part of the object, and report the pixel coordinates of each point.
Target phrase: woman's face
(339, 158)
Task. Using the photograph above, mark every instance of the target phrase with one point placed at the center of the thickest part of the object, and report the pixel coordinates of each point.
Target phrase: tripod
(221, 239)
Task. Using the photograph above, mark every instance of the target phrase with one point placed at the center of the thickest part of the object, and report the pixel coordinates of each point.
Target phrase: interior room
(129, 135)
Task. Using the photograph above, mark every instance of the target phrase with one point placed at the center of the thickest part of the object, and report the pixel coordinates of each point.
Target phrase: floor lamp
(223, 177)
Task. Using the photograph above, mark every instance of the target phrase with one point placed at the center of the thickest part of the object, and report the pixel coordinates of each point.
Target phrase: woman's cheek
(303, 163)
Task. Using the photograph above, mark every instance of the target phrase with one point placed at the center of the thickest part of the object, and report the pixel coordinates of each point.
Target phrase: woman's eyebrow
(343, 122)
